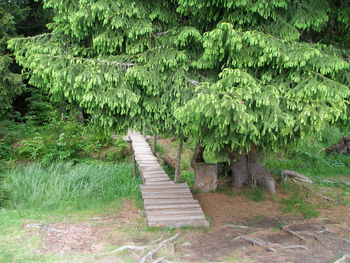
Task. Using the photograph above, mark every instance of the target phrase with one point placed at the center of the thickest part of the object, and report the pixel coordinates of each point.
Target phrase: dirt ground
(319, 240)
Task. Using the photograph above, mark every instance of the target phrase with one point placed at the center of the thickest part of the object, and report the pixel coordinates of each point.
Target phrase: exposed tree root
(134, 248)
(156, 245)
(151, 253)
(236, 226)
(268, 245)
(293, 233)
(296, 175)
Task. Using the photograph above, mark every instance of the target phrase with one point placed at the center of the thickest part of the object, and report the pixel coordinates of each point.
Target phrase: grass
(255, 194)
(60, 192)
(310, 159)
(65, 184)
(297, 203)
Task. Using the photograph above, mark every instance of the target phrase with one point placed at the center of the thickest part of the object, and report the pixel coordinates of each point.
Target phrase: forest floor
(301, 223)
(93, 236)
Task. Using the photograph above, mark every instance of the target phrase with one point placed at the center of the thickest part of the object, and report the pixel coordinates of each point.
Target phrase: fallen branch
(151, 253)
(296, 176)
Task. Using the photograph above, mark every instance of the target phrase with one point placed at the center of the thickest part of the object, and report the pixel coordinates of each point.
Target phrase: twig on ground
(151, 253)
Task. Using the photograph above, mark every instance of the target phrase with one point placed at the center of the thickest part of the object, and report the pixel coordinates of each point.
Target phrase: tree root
(156, 245)
(293, 233)
(134, 248)
(296, 175)
(268, 245)
(236, 226)
(151, 253)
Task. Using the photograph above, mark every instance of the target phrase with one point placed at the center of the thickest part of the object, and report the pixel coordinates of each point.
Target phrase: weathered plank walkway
(165, 203)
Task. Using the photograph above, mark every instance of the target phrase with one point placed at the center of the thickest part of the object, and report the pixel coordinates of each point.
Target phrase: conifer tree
(235, 75)
(10, 83)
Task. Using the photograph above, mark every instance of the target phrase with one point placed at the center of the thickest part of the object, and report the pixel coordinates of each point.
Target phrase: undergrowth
(60, 184)
(310, 158)
(57, 141)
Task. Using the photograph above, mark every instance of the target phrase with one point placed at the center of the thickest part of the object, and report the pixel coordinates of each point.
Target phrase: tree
(236, 76)
(24, 17)
(10, 83)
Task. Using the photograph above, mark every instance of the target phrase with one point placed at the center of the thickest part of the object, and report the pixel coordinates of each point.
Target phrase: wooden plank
(182, 185)
(192, 211)
(154, 173)
(172, 206)
(173, 217)
(170, 201)
(155, 176)
(161, 191)
(152, 169)
(166, 196)
(179, 223)
(157, 179)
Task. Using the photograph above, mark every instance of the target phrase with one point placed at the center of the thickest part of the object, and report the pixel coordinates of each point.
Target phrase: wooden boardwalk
(165, 203)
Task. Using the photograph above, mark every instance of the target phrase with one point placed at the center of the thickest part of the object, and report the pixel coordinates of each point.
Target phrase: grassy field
(59, 192)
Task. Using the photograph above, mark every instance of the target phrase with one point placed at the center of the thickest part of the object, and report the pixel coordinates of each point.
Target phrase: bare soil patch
(90, 236)
(325, 239)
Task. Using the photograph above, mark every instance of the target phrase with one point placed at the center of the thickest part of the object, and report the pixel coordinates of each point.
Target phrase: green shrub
(187, 177)
(37, 186)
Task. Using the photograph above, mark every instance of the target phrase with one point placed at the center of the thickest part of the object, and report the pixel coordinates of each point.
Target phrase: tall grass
(47, 187)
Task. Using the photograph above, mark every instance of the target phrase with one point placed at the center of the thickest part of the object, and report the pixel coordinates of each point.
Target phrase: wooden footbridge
(165, 203)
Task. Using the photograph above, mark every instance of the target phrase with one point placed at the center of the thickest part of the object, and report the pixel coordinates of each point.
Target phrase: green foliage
(187, 177)
(309, 157)
(218, 72)
(2, 192)
(47, 187)
(40, 109)
(58, 140)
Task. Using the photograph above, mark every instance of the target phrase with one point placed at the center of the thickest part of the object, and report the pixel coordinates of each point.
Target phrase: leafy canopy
(227, 73)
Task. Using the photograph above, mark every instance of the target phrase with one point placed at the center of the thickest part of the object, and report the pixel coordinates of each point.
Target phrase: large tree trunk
(247, 170)
(239, 167)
